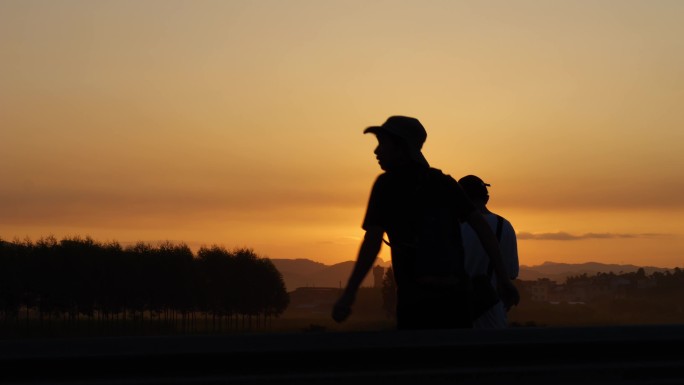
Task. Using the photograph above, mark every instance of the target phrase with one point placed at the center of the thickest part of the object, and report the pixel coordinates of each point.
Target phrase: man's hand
(508, 293)
(342, 308)
(370, 247)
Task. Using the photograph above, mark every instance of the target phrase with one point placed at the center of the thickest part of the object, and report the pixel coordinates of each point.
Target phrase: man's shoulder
(437, 171)
(497, 215)
(383, 178)
(439, 174)
(386, 181)
(505, 222)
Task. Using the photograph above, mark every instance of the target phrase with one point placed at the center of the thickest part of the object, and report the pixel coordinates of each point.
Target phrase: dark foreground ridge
(584, 355)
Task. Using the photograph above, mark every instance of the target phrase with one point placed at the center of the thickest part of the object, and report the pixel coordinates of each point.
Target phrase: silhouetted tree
(78, 276)
(11, 285)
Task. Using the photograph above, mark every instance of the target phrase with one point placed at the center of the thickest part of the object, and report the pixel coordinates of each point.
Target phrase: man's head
(400, 140)
(475, 187)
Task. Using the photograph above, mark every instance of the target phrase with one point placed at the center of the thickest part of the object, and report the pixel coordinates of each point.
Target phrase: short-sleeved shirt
(395, 205)
(477, 262)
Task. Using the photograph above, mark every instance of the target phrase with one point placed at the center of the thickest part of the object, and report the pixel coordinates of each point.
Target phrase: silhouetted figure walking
(475, 256)
(420, 209)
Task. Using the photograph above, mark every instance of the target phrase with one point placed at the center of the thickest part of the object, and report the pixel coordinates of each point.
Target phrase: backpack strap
(499, 228)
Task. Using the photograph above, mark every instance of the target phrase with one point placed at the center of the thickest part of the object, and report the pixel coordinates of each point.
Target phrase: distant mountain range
(307, 273)
(560, 271)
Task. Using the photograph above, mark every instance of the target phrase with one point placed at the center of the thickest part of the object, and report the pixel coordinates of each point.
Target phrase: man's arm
(507, 291)
(509, 246)
(370, 247)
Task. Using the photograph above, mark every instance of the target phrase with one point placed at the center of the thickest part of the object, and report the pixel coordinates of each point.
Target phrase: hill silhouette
(307, 273)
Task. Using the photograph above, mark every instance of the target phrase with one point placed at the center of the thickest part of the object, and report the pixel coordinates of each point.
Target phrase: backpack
(437, 247)
(482, 294)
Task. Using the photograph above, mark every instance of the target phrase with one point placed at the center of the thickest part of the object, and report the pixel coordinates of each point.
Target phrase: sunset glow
(239, 123)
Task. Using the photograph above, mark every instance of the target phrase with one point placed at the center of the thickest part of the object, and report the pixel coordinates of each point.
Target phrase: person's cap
(474, 186)
(409, 130)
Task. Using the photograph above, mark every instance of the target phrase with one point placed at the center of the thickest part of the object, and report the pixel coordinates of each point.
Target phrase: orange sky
(239, 123)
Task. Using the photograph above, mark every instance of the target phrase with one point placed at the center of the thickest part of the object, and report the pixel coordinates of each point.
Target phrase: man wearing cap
(476, 257)
(407, 185)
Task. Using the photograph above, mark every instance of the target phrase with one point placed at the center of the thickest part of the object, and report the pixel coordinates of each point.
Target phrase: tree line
(76, 279)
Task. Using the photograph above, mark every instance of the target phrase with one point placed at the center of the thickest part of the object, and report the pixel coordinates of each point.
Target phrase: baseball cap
(474, 186)
(409, 130)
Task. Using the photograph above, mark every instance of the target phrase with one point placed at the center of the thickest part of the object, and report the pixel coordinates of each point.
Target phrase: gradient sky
(239, 123)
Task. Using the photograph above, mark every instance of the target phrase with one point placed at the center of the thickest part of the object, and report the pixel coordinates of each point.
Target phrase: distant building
(541, 289)
(577, 291)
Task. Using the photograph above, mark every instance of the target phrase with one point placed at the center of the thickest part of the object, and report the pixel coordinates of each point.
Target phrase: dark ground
(583, 355)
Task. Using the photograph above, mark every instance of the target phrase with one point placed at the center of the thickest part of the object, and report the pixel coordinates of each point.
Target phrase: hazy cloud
(341, 241)
(563, 236)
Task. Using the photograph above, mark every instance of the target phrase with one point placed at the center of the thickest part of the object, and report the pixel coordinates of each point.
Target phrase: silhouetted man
(430, 289)
(476, 257)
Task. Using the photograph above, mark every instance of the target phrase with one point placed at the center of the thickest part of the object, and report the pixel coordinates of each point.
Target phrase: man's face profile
(389, 152)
